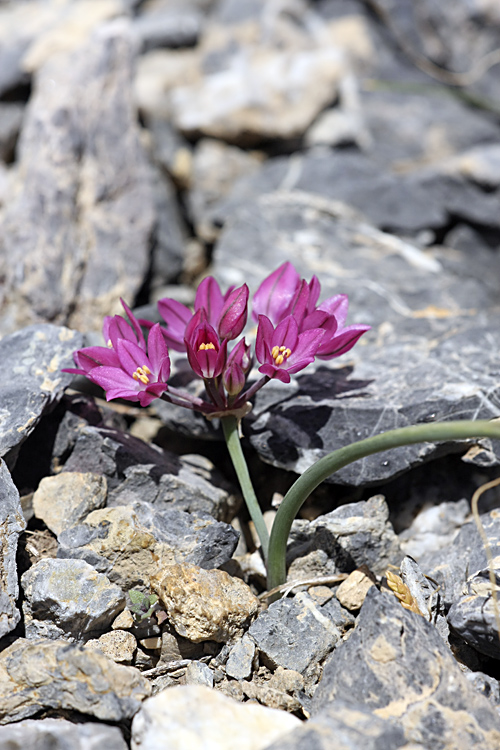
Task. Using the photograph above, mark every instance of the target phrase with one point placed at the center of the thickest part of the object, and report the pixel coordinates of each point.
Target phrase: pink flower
(283, 350)
(206, 354)
(238, 364)
(137, 376)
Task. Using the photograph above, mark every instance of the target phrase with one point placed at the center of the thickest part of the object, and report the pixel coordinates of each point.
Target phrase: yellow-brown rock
(205, 605)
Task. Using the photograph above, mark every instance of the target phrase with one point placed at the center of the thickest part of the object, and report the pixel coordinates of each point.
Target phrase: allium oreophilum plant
(292, 331)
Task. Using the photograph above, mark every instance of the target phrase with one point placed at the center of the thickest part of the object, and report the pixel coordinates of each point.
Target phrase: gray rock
(168, 25)
(241, 658)
(396, 664)
(198, 673)
(344, 726)
(70, 594)
(60, 734)
(473, 616)
(170, 233)
(12, 523)
(11, 117)
(138, 471)
(417, 303)
(451, 566)
(295, 634)
(434, 527)
(44, 674)
(76, 229)
(31, 380)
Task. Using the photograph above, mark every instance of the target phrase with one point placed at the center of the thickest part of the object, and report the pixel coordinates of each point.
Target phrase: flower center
(142, 374)
(204, 347)
(280, 353)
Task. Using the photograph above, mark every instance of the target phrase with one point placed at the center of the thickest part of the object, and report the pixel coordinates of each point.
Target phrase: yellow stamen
(204, 347)
(280, 353)
(142, 374)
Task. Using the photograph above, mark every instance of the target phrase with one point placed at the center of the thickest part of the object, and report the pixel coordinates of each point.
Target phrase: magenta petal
(233, 316)
(263, 340)
(338, 306)
(286, 333)
(342, 342)
(275, 293)
(314, 291)
(176, 316)
(131, 356)
(135, 324)
(300, 302)
(158, 353)
(112, 378)
(209, 296)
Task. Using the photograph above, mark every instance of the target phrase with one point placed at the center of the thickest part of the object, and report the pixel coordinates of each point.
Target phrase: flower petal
(275, 293)
(176, 316)
(158, 353)
(209, 296)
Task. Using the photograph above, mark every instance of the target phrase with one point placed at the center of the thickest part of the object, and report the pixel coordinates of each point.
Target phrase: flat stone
(295, 634)
(405, 673)
(37, 675)
(198, 673)
(205, 605)
(71, 261)
(352, 592)
(71, 595)
(31, 379)
(62, 500)
(167, 720)
(61, 734)
(12, 523)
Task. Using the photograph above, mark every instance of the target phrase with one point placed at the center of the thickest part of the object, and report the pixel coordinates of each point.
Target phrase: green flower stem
(314, 475)
(230, 427)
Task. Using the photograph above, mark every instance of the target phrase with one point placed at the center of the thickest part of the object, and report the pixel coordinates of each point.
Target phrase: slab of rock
(194, 716)
(398, 666)
(127, 542)
(295, 634)
(60, 734)
(12, 523)
(31, 379)
(424, 317)
(37, 675)
(205, 605)
(68, 599)
(77, 225)
(62, 500)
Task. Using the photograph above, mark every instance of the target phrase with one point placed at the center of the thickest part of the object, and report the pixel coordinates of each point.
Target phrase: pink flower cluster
(292, 329)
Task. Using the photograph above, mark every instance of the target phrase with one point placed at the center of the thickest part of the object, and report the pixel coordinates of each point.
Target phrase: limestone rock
(205, 605)
(295, 634)
(12, 523)
(168, 719)
(352, 592)
(404, 672)
(241, 659)
(31, 379)
(36, 675)
(61, 734)
(62, 500)
(473, 615)
(79, 158)
(70, 595)
(118, 645)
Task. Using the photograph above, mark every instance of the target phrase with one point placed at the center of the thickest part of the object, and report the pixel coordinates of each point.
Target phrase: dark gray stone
(76, 231)
(168, 26)
(344, 726)
(60, 734)
(420, 306)
(138, 471)
(12, 523)
(31, 380)
(295, 634)
(11, 117)
(197, 537)
(170, 233)
(451, 566)
(473, 615)
(71, 595)
(395, 663)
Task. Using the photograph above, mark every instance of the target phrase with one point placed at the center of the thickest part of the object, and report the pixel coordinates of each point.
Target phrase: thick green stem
(314, 475)
(230, 427)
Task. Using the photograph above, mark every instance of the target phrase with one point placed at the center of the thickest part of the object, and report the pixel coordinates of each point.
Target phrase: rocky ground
(143, 144)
